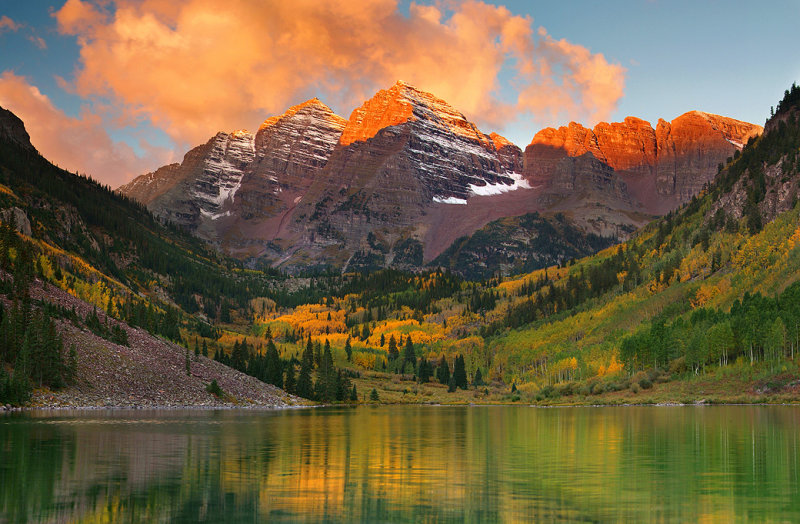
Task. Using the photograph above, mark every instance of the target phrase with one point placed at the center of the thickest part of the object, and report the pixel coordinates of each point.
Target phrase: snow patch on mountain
(223, 171)
(449, 200)
(500, 188)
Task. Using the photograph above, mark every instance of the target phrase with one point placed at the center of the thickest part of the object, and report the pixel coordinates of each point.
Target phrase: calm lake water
(404, 463)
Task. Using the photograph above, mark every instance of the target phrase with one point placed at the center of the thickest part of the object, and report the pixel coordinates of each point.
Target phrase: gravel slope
(150, 372)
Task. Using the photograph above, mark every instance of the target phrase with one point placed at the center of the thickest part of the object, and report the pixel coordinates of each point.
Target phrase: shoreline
(267, 407)
(188, 407)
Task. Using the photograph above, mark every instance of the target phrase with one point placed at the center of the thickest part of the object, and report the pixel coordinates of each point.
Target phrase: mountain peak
(13, 129)
(735, 131)
(314, 105)
(500, 141)
(402, 103)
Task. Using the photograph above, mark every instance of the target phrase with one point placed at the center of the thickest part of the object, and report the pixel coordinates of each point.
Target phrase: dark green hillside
(117, 236)
(516, 245)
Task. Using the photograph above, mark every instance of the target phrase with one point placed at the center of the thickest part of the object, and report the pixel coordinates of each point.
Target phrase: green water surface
(404, 463)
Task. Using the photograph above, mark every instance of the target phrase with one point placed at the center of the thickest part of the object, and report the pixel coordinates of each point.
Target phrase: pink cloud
(76, 144)
(38, 41)
(199, 66)
(7, 24)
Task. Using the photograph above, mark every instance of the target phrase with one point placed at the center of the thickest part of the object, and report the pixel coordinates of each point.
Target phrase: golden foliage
(614, 367)
(312, 319)
(706, 292)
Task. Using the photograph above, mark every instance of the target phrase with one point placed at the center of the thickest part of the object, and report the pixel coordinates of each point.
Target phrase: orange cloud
(199, 66)
(571, 82)
(38, 41)
(7, 24)
(76, 144)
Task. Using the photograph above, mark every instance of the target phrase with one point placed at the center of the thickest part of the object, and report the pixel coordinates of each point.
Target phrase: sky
(117, 88)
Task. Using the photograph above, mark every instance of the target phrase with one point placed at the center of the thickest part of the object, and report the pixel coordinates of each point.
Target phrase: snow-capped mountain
(238, 177)
(407, 174)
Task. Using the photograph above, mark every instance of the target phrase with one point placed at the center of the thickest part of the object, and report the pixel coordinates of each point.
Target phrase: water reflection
(403, 463)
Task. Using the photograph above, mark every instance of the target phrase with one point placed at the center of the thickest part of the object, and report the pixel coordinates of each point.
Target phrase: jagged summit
(402, 103)
(243, 175)
(313, 106)
(735, 131)
(407, 173)
(13, 129)
(500, 141)
(676, 158)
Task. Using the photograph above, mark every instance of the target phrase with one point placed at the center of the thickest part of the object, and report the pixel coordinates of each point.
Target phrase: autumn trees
(757, 329)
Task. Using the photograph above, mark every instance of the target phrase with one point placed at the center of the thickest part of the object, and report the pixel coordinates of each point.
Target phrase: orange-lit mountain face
(662, 167)
(407, 174)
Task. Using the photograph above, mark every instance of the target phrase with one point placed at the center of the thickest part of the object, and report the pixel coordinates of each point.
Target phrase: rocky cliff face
(451, 157)
(201, 189)
(12, 129)
(238, 180)
(402, 153)
(407, 174)
(662, 166)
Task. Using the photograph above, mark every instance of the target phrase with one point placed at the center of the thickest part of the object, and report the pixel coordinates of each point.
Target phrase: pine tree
(343, 386)
(373, 396)
(460, 373)
(477, 380)
(205, 349)
(409, 357)
(317, 354)
(308, 354)
(423, 371)
(289, 384)
(353, 394)
(23, 361)
(305, 388)
(443, 372)
(273, 373)
(451, 384)
(393, 352)
(326, 377)
(348, 349)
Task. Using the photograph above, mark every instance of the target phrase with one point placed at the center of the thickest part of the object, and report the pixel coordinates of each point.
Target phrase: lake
(403, 463)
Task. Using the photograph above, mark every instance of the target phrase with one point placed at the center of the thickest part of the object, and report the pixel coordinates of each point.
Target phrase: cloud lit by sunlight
(195, 67)
(76, 144)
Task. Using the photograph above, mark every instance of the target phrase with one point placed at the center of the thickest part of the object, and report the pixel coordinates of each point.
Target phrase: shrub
(635, 387)
(677, 366)
(119, 336)
(549, 392)
(565, 390)
(214, 388)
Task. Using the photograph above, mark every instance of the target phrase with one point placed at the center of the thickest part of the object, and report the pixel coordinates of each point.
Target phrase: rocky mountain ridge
(663, 166)
(240, 176)
(408, 173)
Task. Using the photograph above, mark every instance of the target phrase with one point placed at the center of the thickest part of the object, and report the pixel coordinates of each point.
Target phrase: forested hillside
(701, 304)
